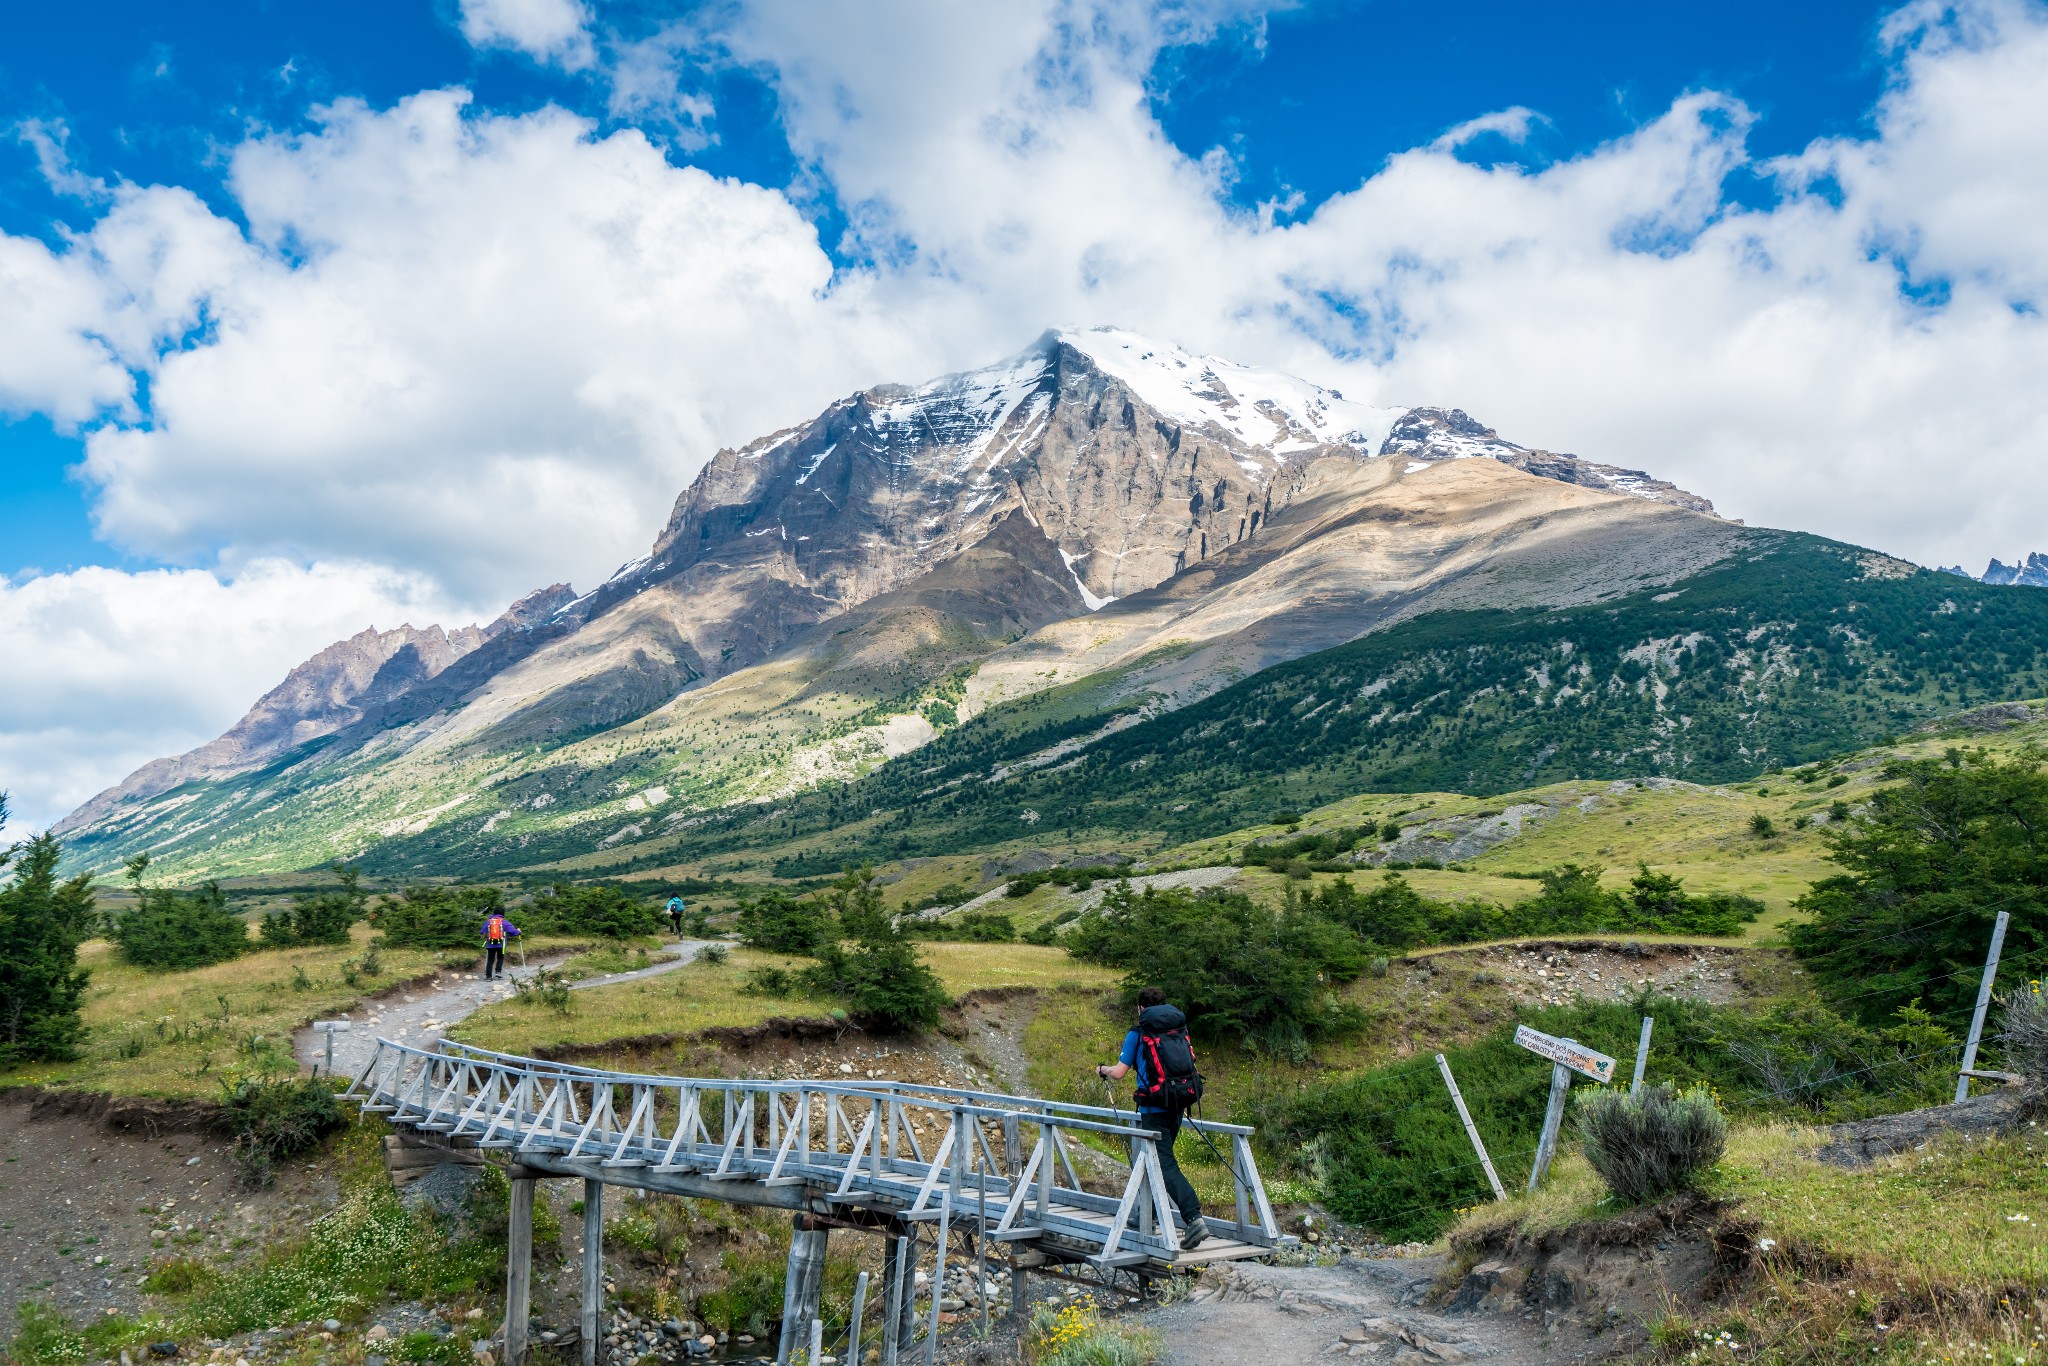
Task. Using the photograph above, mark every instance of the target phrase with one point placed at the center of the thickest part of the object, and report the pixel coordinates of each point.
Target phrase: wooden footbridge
(883, 1157)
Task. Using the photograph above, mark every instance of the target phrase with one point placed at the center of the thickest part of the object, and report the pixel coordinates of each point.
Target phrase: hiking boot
(1194, 1235)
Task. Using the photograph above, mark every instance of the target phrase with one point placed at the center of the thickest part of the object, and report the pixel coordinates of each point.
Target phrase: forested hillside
(1801, 648)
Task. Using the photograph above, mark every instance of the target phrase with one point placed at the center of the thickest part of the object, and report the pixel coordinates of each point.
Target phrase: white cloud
(486, 351)
(105, 670)
(551, 31)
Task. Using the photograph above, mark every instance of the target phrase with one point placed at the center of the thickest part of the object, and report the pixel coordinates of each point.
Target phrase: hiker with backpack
(497, 929)
(675, 914)
(1164, 1057)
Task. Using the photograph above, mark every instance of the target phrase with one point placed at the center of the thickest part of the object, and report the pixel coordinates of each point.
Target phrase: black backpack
(1170, 1057)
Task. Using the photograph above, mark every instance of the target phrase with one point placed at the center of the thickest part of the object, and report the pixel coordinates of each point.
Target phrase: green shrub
(769, 980)
(972, 927)
(1390, 831)
(1238, 968)
(1304, 850)
(42, 923)
(178, 1276)
(751, 1298)
(777, 922)
(607, 912)
(437, 917)
(545, 987)
(885, 984)
(175, 931)
(1761, 827)
(272, 1121)
(319, 917)
(1654, 1143)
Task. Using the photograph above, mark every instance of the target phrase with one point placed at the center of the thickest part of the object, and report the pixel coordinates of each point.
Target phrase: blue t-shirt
(1134, 1057)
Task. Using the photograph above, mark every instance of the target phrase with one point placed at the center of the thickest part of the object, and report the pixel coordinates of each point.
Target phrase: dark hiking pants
(494, 959)
(1167, 1125)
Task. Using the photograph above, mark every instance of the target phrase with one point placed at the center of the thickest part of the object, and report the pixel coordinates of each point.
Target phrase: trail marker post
(1471, 1129)
(1566, 1057)
(332, 1027)
(1983, 1002)
(1642, 1054)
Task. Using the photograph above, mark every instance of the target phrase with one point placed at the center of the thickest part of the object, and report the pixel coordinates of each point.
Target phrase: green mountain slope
(1798, 649)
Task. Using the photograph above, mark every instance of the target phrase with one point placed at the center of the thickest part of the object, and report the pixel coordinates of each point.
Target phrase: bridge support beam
(802, 1287)
(593, 1267)
(899, 1299)
(518, 1269)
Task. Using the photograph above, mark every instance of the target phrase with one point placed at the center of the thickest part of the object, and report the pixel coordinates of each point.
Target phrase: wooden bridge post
(593, 1267)
(518, 1269)
(802, 1286)
(899, 1299)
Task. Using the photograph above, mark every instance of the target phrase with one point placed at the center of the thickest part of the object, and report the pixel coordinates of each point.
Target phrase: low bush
(1309, 850)
(1073, 879)
(322, 917)
(437, 917)
(1394, 915)
(173, 931)
(1654, 1143)
(272, 1121)
(545, 987)
(607, 912)
(972, 927)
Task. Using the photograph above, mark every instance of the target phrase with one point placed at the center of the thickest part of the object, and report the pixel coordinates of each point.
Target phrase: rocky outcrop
(1449, 434)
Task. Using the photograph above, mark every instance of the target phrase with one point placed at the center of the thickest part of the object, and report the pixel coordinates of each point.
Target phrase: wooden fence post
(1553, 1117)
(1471, 1129)
(1983, 1001)
(1642, 1054)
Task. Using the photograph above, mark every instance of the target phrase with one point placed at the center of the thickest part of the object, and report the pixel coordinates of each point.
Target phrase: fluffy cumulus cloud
(473, 352)
(547, 30)
(123, 667)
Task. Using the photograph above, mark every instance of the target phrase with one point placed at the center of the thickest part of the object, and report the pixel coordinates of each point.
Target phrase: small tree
(1655, 1143)
(42, 923)
(777, 922)
(885, 984)
(857, 902)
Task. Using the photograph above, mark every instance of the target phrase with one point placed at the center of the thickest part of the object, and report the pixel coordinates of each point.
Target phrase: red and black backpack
(1172, 1083)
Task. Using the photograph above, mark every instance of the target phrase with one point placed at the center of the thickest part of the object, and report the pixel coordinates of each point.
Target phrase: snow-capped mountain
(2031, 572)
(908, 531)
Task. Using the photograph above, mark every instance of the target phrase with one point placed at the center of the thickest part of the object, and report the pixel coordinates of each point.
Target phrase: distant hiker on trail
(675, 914)
(496, 930)
(1168, 1084)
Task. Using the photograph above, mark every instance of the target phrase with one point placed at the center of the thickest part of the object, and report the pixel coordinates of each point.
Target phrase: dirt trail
(421, 1014)
(1247, 1314)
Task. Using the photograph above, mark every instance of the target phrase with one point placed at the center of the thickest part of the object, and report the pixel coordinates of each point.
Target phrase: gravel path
(1252, 1314)
(422, 1014)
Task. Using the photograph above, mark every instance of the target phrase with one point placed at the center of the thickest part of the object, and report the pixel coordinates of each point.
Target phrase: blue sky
(1308, 103)
(315, 317)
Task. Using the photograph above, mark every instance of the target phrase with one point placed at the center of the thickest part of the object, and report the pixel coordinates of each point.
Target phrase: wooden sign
(1579, 1058)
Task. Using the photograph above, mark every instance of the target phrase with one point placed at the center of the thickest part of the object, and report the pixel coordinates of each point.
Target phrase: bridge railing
(917, 1152)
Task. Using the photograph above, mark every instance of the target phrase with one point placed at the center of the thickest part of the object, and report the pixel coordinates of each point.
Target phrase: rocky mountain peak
(2031, 572)
(1430, 434)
